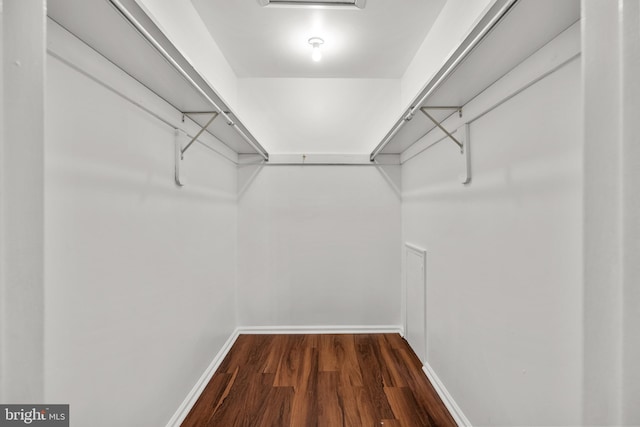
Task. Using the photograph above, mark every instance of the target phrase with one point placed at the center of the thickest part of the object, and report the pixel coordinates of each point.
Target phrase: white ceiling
(378, 41)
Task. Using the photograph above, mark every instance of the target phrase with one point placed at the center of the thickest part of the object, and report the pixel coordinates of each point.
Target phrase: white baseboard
(448, 401)
(202, 382)
(322, 329)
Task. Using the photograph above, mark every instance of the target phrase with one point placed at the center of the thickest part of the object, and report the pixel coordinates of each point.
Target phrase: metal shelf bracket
(213, 117)
(180, 136)
(465, 178)
(462, 141)
(437, 123)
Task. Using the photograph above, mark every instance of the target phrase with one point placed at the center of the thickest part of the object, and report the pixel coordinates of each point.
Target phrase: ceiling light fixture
(316, 42)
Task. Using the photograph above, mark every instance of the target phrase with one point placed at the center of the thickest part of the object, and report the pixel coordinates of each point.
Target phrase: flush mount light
(316, 42)
(325, 3)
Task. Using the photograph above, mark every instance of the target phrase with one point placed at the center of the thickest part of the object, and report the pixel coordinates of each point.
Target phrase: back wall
(318, 245)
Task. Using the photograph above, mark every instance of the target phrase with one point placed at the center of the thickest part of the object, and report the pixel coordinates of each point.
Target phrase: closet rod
(432, 86)
(136, 24)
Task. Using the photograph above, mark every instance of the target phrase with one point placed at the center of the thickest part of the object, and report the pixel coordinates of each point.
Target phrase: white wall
(2, 201)
(2, 280)
(504, 261)
(139, 274)
(318, 246)
(21, 201)
(611, 44)
(344, 116)
(630, 101)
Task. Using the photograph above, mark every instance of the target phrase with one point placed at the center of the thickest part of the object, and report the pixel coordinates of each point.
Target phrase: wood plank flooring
(361, 380)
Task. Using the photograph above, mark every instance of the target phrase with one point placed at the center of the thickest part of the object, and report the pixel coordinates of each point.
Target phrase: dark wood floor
(359, 380)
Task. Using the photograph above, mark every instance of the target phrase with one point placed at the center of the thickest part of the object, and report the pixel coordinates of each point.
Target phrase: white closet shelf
(122, 32)
(509, 33)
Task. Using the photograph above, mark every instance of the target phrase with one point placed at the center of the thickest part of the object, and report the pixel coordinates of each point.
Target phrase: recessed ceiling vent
(327, 3)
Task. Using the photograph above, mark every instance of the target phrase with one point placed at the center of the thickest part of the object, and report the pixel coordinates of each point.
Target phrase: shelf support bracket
(181, 136)
(437, 123)
(464, 145)
(465, 178)
(213, 117)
